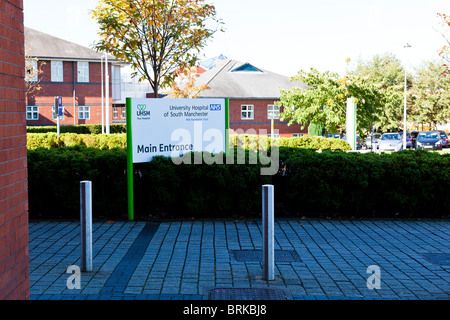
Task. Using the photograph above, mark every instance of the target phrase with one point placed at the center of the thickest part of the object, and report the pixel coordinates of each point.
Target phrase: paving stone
(185, 257)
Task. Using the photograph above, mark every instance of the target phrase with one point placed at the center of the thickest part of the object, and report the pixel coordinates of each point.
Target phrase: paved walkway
(201, 260)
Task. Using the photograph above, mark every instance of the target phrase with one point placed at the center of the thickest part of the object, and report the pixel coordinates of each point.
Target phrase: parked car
(444, 139)
(376, 141)
(360, 144)
(393, 141)
(334, 135)
(429, 140)
(408, 139)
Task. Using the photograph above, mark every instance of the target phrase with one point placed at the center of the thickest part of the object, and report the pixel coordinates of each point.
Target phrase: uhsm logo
(141, 110)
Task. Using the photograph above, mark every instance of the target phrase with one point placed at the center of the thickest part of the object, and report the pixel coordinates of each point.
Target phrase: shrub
(161, 188)
(330, 183)
(407, 183)
(306, 142)
(52, 140)
(119, 140)
(54, 176)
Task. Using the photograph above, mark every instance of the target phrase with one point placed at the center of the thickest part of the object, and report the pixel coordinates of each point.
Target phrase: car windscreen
(390, 136)
(428, 135)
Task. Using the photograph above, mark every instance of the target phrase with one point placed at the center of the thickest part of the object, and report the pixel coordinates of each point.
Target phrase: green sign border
(130, 161)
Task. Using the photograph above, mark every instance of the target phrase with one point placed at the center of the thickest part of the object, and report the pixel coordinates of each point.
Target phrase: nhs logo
(214, 107)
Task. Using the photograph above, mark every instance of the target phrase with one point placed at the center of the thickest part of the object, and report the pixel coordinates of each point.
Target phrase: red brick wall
(14, 281)
(86, 94)
(260, 121)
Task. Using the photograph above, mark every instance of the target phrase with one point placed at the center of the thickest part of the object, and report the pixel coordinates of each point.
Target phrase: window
(83, 112)
(115, 112)
(32, 113)
(31, 70)
(124, 112)
(53, 113)
(297, 134)
(83, 71)
(275, 135)
(57, 71)
(115, 85)
(273, 112)
(246, 67)
(247, 112)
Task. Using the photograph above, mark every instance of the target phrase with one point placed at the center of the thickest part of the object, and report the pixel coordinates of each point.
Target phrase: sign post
(58, 112)
(351, 123)
(172, 128)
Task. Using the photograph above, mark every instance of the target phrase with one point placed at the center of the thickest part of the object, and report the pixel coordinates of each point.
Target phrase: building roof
(234, 79)
(44, 46)
(212, 62)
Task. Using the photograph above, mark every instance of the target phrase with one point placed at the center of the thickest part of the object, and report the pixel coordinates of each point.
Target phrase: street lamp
(404, 108)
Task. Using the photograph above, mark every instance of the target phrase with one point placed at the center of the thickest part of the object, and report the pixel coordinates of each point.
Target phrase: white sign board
(172, 127)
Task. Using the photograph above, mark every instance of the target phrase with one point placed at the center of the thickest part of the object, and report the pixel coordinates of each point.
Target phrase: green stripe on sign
(129, 161)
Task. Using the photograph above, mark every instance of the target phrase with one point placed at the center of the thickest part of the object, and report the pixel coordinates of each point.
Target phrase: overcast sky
(285, 36)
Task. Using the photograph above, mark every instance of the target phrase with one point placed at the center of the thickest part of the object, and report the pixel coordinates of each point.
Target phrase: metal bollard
(86, 225)
(268, 231)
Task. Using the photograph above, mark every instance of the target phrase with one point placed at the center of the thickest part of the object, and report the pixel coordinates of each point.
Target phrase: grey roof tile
(42, 45)
(235, 79)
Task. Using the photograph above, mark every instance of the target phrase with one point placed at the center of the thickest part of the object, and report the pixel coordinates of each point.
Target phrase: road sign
(60, 107)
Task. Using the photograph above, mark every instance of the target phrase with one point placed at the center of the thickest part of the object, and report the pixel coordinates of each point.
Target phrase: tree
(431, 94)
(156, 37)
(444, 52)
(185, 86)
(316, 130)
(386, 73)
(326, 102)
(33, 69)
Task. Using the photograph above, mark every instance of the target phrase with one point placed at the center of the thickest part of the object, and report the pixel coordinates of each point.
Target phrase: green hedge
(252, 142)
(162, 189)
(407, 183)
(331, 183)
(80, 129)
(52, 140)
(255, 142)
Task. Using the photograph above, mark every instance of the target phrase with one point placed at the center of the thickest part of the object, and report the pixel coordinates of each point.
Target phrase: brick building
(252, 94)
(73, 72)
(14, 280)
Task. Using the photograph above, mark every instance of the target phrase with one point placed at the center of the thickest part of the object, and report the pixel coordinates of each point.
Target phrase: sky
(285, 36)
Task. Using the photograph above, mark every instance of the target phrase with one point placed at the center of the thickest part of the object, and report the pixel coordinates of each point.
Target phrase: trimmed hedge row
(255, 142)
(331, 183)
(80, 128)
(252, 142)
(407, 183)
(52, 140)
(161, 188)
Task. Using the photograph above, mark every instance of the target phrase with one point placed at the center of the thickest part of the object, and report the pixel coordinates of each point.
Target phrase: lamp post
(103, 95)
(404, 108)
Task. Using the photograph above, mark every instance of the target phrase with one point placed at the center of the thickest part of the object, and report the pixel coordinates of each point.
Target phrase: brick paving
(186, 260)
